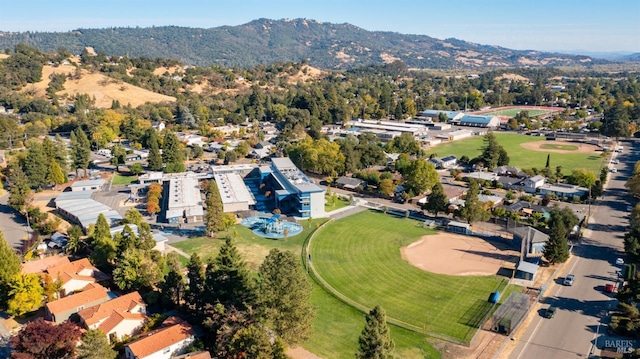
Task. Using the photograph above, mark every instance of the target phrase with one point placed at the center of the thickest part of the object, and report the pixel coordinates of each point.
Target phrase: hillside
(103, 88)
(264, 41)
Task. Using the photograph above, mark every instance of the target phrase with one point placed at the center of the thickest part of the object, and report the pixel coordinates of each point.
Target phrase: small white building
(531, 184)
(90, 185)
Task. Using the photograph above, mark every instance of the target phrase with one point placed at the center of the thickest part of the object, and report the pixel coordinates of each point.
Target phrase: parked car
(629, 208)
(615, 162)
(568, 280)
(619, 261)
(613, 170)
(609, 288)
(550, 312)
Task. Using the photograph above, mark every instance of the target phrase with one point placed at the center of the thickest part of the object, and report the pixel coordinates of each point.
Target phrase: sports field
(512, 112)
(359, 256)
(526, 152)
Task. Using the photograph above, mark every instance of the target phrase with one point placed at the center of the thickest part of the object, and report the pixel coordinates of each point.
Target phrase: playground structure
(272, 227)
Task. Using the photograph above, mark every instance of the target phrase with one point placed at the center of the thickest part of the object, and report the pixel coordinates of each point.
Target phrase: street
(576, 330)
(12, 224)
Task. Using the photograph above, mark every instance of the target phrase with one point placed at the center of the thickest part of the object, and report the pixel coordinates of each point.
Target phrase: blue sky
(557, 25)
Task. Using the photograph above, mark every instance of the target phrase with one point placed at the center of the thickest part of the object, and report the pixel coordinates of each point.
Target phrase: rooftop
(184, 195)
(291, 177)
(43, 264)
(97, 313)
(161, 338)
(91, 293)
(232, 189)
(88, 183)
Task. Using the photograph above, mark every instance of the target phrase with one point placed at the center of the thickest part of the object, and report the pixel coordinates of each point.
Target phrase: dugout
(458, 227)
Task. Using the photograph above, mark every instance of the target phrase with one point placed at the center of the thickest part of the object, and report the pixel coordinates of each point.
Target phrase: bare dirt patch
(582, 147)
(452, 254)
(301, 353)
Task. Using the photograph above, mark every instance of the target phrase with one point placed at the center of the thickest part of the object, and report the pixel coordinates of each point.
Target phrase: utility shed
(527, 270)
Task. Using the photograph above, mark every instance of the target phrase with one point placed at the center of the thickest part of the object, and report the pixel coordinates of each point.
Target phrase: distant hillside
(264, 41)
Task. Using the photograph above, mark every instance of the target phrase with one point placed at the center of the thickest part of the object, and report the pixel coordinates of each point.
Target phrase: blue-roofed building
(451, 115)
(293, 193)
(479, 121)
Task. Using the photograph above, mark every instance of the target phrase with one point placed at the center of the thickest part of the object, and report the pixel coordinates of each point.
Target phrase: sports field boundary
(307, 259)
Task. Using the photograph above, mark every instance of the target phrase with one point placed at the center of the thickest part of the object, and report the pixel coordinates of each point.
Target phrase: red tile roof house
(75, 275)
(41, 265)
(60, 310)
(117, 317)
(170, 340)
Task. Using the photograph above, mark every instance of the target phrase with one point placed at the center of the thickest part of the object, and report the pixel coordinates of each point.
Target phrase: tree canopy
(375, 341)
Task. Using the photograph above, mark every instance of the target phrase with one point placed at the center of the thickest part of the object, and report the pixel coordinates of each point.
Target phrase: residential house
(531, 184)
(195, 355)
(261, 150)
(494, 200)
(158, 125)
(75, 275)
(118, 317)
(191, 139)
(531, 240)
(164, 343)
(526, 209)
(509, 171)
(481, 176)
(449, 161)
(513, 183)
(41, 265)
(60, 310)
(563, 190)
(350, 183)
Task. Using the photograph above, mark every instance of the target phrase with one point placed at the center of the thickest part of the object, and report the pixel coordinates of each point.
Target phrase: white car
(619, 261)
(613, 170)
(615, 162)
(568, 280)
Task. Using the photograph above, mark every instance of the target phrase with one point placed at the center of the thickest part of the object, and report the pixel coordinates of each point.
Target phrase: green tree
(75, 244)
(493, 154)
(136, 169)
(25, 294)
(118, 156)
(582, 177)
(80, 149)
(228, 280)
(375, 340)
(250, 342)
(437, 201)
(195, 294)
(155, 157)
(173, 286)
(102, 229)
(616, 121)
(420, 176)
(405, 143)
(172, 154)
(136, 270)
(214, 218)
(36, 165)
(473, 209)
(10, 266)
(133, 216)
(386, 187)
(95, 346)
(284, 295)
(20, 194)
(556, 249)
(55, 174)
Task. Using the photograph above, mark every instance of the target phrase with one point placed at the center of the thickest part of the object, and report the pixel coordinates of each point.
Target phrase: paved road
(582, 308)
(12, 224)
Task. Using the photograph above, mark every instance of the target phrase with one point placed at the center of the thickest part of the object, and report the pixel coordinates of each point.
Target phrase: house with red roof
(170, 340)
(42, 265)
(117, 317)
(60, 310)
(75, 275)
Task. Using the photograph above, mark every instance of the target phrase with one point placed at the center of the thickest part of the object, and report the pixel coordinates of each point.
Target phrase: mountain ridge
(265, 41)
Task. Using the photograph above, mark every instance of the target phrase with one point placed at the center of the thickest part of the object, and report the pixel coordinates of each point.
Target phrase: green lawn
(337, 326)
(332, 204)
(360, 257)
(512, 112)
(119, 179)
(521, 157)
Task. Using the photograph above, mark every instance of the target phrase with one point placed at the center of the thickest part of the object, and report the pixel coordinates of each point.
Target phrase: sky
(545, 25)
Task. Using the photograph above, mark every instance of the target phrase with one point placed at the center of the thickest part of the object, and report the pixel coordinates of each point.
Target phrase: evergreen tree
(548, 160)
(473, 210)
(437, 201)
(284, 295)
(493, 154)
(229, 282)
(173, 285)
(616, 121)
(214, 218)
(556, 250)
(195, 296)
(36, 165)
(95, 346)
(101, 229)
(155, 157)
(10, 266)
(20, 193)
(172, 154)
(375, 340)
(80, 149)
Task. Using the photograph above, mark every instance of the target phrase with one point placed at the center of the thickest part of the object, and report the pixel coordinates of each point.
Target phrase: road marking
(530, 337)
